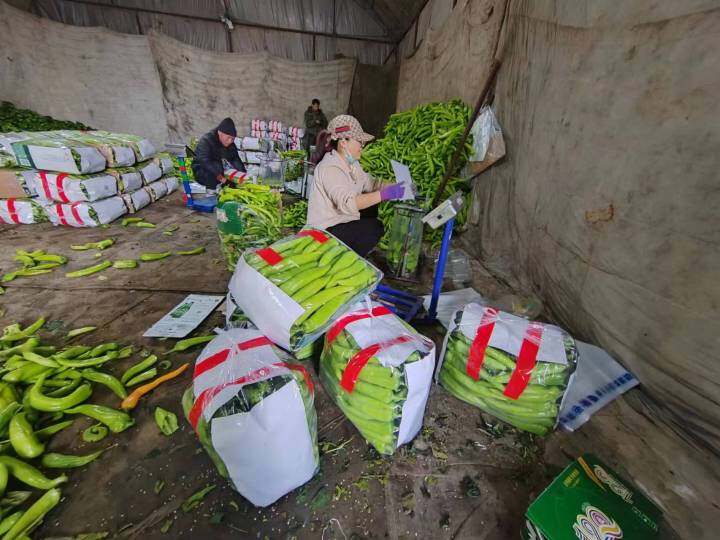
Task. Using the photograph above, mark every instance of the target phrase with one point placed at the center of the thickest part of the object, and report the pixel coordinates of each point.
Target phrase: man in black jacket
(216, 152)
(315, 122)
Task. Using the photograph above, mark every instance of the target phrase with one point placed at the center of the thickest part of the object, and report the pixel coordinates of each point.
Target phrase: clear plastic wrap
(512, 368)
(26, 211)
(378, 370)
(156, 190)
(253, 410)
(294, 289)
(87, 214)
(67, 188)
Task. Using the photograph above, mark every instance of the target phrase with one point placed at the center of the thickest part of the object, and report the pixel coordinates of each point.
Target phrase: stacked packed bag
(514, 369)
(82, 178)
(295, 288)
(253, 411)
(378, 370)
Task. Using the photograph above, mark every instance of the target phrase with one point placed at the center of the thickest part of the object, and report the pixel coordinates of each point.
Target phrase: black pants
(361, 235)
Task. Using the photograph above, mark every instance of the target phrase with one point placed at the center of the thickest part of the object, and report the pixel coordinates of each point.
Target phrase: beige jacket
(335, 186)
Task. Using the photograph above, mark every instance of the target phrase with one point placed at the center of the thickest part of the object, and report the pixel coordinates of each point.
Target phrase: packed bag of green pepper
(378, 370)
(248, 217)
(252, 407)
(294, 289)
(514, 369)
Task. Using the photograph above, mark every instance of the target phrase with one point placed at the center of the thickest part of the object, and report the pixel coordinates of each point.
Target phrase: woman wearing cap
(342, 190)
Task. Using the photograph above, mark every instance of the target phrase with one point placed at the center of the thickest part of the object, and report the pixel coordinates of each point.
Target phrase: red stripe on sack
(45, 186)
(318, 236)
(210, 362)
(75, 213)
(352, 317)
(362, 357)
(61, 214)
(253, 343)
(480, 343)
(520, 377)
(221, 356)
(301, 369)
(59, 184)
(207, 395)
(12, 211)
(270, 256)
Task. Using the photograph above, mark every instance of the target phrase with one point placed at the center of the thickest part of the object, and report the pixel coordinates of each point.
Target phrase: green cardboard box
(589, 501)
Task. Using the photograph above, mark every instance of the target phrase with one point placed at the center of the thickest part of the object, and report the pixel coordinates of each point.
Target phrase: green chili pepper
(89, 270)
(171, 229)
(196, 498)
(27, 373)
(62, 461)
(88, 362)
(23, 439)
(7, 523)
(138, 368)
(72, 352)
(7, 414)
(144, 376)
(144, 225)
(154, 256)
(29, 345)
(34, 515)
(185, 344)
(103, 348)
(164, 364)
(8, 395)
(23, 334)
(125, 352)
(80, 331)
(166, 421)
(107, 380)
(3, 480)
(127, 221)
(114, 419)
(125, 263)
(39, 359)
(196, 251)
(48, 257)
(63, 390)
(94, 433)
(44, 403)
(47, 432)
(27, 474)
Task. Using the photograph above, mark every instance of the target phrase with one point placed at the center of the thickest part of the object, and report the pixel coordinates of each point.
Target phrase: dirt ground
(463, 477)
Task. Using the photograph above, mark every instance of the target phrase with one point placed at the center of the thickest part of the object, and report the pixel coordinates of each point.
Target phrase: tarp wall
(202, 87)
(102, 78)
(607, 202)
(145, 84)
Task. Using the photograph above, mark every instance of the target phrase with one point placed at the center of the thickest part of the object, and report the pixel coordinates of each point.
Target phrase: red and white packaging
(267, 445)
(22, 211)
(68, 188)
(87, 214)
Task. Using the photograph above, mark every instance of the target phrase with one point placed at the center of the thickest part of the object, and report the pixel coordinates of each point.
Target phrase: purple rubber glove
(392, 192)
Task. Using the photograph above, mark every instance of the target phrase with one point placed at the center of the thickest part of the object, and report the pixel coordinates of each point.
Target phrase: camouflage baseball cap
(347, 127)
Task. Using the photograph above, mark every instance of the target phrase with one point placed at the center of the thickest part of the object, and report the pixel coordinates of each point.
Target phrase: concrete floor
(460, 479)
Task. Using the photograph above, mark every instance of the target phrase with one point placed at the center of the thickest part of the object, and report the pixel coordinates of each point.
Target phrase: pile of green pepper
(536, 409)
(42, 389)
(295, 215)
(375, 404)
(320, 276)
(295, 164)
(424, 139)
(34, 263)
(250, 219)
(14, 119)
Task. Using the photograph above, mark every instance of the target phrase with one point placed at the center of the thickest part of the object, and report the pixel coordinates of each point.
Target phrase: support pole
(440, 269)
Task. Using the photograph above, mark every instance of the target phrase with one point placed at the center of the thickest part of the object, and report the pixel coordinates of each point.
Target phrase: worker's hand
(392, 192)
(220, 178)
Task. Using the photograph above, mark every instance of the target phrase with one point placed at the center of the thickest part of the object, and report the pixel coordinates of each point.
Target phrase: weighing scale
(407, 305)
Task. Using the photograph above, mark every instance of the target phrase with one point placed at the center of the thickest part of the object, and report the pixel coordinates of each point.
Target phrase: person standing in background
(216, 155)
(315, 122)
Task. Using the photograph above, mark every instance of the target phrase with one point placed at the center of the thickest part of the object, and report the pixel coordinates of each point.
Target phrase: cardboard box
(589, 501)
(15, 183)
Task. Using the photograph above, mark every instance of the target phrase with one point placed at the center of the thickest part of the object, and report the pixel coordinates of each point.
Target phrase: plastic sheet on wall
(366, 53)
(199, 8)
(352, 20)
(203, 34)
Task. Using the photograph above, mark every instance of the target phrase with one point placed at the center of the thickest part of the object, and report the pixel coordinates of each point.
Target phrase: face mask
(350, 159)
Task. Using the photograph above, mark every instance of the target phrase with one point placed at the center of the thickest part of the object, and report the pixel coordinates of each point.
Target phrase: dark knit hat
(227, 126)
